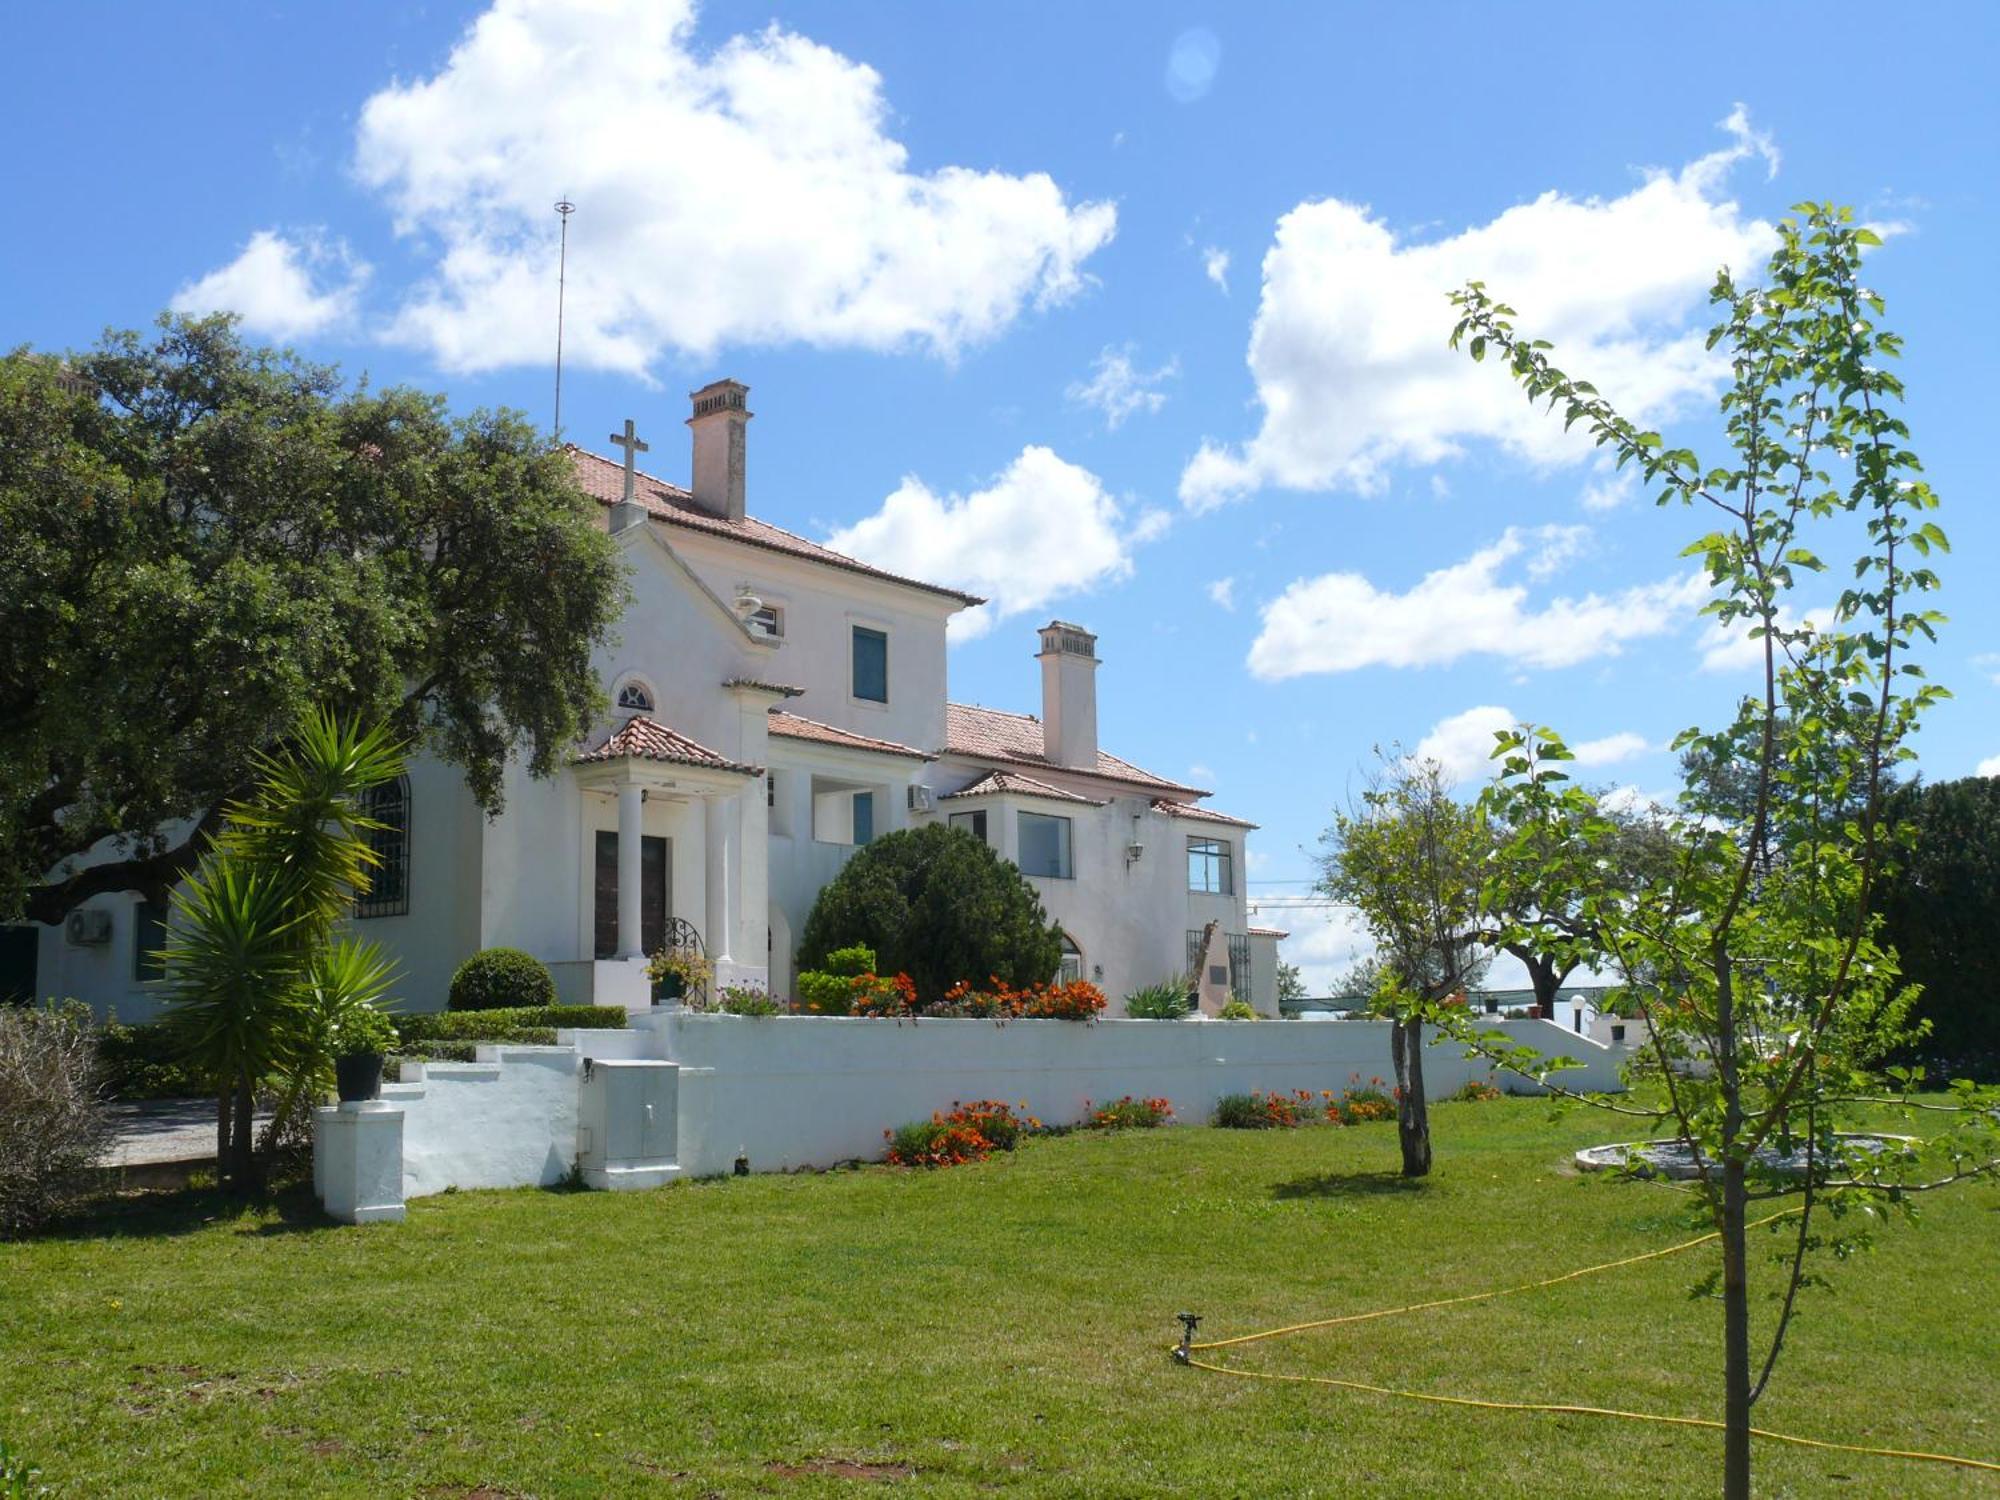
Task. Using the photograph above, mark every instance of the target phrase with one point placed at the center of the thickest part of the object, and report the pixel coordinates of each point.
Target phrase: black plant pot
(358, 1076)
(673, 987)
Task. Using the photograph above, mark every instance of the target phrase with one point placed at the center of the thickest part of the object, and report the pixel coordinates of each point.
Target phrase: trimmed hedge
(144, 1062)
(501, 979)
(504, 1025)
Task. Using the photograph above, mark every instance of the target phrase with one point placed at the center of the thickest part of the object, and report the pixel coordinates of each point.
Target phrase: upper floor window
(768, 620)
(871, 664)
(1045, 846)
(635, 697)
(1209, 867)
(973, 823)
(389, 890)
(864, 817)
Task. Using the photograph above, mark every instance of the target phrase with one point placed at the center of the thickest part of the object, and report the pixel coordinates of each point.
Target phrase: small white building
(775, 705)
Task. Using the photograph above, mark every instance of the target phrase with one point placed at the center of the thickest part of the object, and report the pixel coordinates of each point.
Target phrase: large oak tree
(200, 539)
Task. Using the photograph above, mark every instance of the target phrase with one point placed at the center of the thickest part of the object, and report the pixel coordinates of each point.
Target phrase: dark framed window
(864, 817)
(635, 698)
(1238, 973)
(149, 936)
(1210, 867)
(973, 823)
(389, 885)
(1045, 846)
(768, 621)
(871, 664)
(1070, 970)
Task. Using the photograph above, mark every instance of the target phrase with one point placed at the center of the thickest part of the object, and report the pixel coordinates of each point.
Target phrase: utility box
(628, 1122)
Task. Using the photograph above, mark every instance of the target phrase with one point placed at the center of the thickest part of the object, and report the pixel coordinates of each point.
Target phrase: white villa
(775, 705)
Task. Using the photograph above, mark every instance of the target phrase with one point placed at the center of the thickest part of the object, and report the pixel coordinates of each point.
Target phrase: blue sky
(1127, 313)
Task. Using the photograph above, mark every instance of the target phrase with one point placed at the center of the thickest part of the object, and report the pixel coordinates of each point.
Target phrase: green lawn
(1001, 1327)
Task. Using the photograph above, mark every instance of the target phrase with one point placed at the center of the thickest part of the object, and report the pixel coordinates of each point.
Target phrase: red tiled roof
(1175, 809)
(793, 727)
(603, 479)
(994, 734)
(1013, 781)
(648, 739)
(1269, 931)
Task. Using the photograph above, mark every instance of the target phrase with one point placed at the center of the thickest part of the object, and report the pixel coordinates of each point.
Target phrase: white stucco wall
(508, 1120)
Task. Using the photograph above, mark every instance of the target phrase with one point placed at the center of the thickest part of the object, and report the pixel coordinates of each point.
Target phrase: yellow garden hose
(1186, 1351)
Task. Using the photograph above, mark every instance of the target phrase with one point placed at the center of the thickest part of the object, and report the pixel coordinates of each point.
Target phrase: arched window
(389, 891)
(635, 697)
(1071, 968)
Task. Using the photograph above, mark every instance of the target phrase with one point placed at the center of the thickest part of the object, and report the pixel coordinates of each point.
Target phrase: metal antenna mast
(564, 208)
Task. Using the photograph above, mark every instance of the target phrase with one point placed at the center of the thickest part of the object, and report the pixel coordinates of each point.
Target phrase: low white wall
(508, 1120)
(787, 1092)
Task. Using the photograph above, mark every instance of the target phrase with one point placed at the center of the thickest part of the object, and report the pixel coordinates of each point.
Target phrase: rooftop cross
(633, 445)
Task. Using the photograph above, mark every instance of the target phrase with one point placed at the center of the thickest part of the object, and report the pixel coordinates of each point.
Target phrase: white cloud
(1463, 743)
(1989, 766)
(1215, 266)
(277, 285)
(1611, 749)
(748, 194)
(1325, 942)
(1989, 664)
(1340, 622)
(1610, 490)
(1117, 388)
(1348, 348)
(1223, 592)
(1731, 648)
(1044, 529)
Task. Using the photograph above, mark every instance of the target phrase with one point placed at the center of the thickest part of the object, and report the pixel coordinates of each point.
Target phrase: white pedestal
(358, 1161)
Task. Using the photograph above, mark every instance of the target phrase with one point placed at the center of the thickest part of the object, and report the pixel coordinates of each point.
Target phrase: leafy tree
(1759, 963)
(258, 987)
(1291, 983)
(937, 904)
(201, 540)
(1534, 905)
(1408, 858)
(1941, 914)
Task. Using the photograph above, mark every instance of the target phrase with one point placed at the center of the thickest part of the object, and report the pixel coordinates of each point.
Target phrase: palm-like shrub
(250, 963)
(1165, 1001)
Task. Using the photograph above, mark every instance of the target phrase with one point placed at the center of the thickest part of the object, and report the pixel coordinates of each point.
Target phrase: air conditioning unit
(922, 799)
(87, 927)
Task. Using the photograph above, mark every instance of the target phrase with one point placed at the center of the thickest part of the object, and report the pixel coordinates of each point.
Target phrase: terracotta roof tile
(1175, 809)
(1014, 781)
(1280, 932)
(603, 479)
(765, 687)
(648, 739)
(793, 727)
(994, 734)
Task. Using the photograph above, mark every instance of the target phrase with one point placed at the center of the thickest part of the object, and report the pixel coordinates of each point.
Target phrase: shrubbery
(1128, 1113)
(1237, 1010)
(1476, 1091)
(501, 979)
(1165, 1001)
(147, 1062)
(52, 1124)
(504, 1025)
(849, 986)
(968, 1133)
(1258, 1110)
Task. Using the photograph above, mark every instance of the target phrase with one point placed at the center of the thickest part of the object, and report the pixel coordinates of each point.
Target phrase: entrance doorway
(655, 894)
(19, 951)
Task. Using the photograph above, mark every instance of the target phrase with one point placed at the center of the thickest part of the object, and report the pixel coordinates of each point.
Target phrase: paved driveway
(162, 1130)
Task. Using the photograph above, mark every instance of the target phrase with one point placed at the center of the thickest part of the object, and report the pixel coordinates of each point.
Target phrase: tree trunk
(242, 1140)
(1413, 1122)
(223, 1115)
(1735, 1336)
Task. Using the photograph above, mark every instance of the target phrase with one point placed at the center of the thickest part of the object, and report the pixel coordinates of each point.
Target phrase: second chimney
(1069, 695)
(720, 411)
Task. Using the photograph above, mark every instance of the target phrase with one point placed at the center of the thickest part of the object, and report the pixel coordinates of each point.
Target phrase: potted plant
(361, 1039)
(678, 972)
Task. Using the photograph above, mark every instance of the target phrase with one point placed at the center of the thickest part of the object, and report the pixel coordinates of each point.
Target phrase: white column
(631, 820)
(719, 861)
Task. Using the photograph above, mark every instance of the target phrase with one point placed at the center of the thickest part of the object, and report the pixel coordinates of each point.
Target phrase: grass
(1000, 1327)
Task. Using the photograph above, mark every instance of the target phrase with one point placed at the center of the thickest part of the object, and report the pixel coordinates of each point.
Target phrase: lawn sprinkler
(1189, 1322)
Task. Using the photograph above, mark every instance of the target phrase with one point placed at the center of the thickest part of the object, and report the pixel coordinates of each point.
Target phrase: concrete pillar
(358, 1161)
(631, 823)
(721, 854)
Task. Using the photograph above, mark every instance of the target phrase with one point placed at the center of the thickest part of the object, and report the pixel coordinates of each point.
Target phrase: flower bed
(894, 997)
(1257, 1110)
(1128, 1113)
(968, 1133)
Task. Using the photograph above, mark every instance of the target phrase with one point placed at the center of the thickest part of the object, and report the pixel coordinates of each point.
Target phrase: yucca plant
(1165, 1001)
(250, 962)
(339, 1015)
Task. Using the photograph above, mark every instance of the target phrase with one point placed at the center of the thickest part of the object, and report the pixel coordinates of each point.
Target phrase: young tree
(1757, 962)
(201, 540)
(1408, 858)
(937, 904)
(1291, 983)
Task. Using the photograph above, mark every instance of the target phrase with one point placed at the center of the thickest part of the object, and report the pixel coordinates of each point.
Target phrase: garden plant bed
(1000, 1327)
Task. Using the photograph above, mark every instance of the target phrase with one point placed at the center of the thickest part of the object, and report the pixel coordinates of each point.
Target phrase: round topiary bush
(501, 979)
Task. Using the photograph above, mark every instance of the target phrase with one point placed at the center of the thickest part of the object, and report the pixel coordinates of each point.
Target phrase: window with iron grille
(1239, 962)
(389, 889)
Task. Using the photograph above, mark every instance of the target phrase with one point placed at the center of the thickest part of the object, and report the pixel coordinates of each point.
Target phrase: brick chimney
(720, 412)
(1069, 695)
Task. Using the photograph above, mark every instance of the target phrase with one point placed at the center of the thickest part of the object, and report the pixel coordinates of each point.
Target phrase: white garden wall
(788, 1092)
